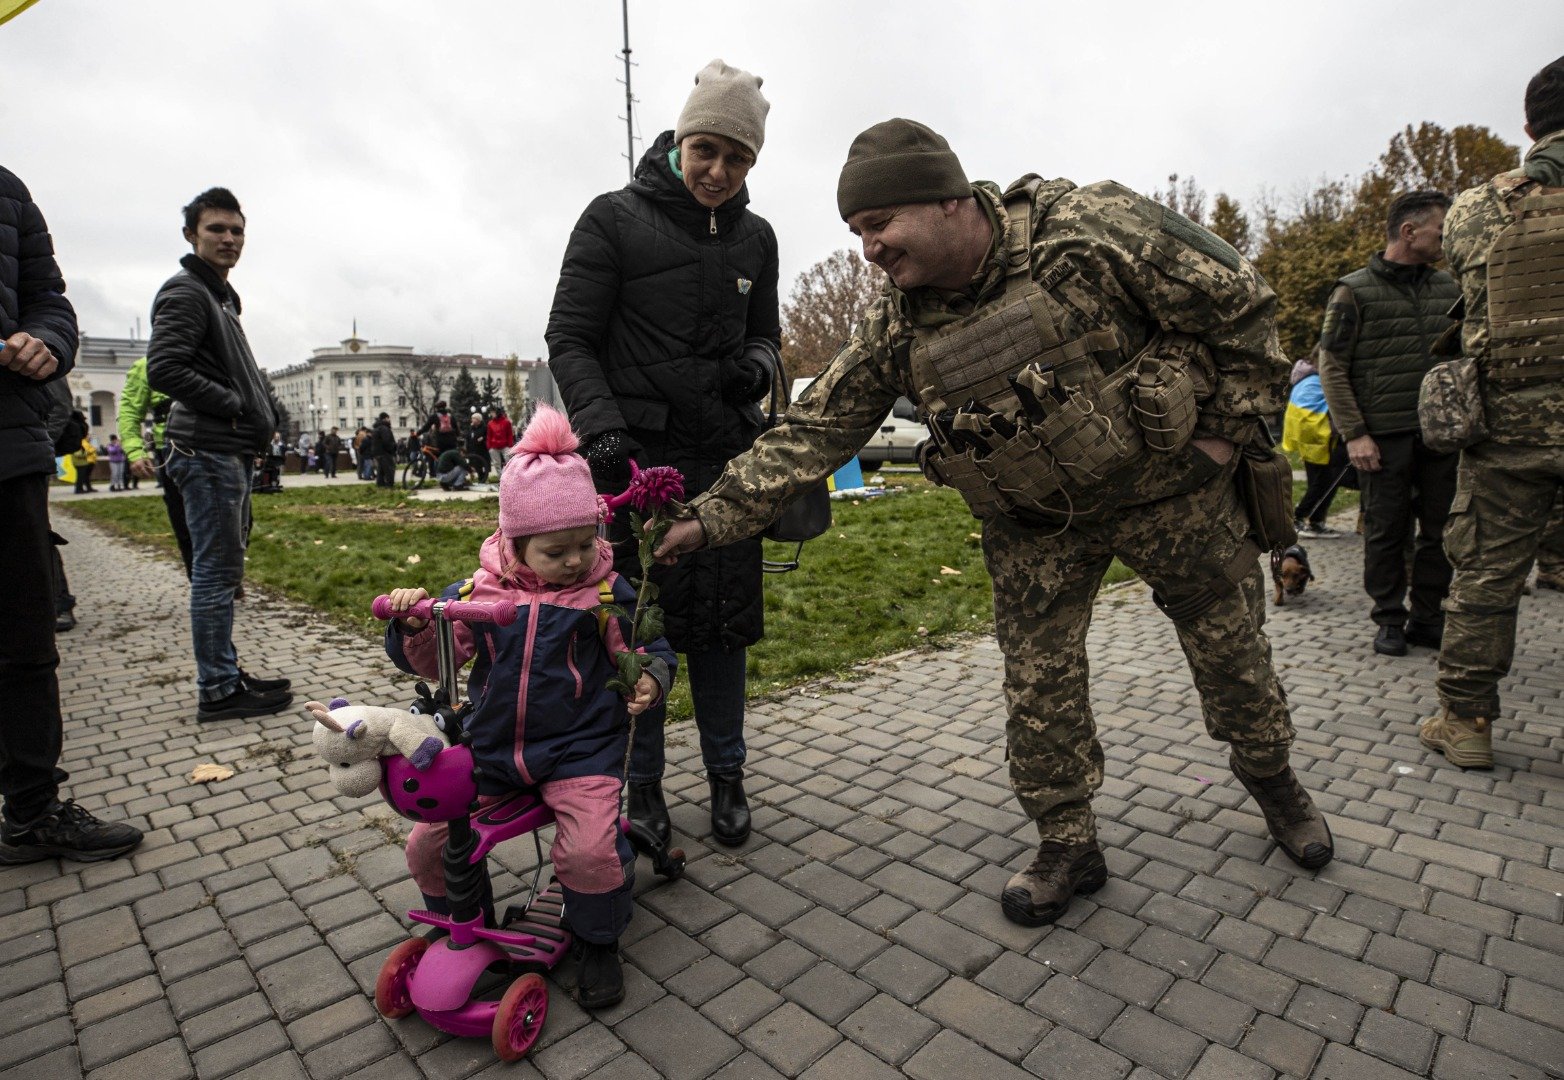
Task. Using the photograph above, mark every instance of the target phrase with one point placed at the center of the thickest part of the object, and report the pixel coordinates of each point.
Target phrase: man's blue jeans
(717, 690)
(216, 493)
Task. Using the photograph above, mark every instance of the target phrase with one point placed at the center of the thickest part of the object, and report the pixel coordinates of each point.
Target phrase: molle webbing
(1526, 289)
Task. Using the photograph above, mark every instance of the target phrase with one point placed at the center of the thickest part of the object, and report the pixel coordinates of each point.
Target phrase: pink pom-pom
(548, 433)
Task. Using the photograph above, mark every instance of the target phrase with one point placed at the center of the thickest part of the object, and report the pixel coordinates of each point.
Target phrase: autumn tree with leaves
(827, 301)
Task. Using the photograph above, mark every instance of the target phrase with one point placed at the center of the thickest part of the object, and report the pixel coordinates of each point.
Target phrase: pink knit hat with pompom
(546, 485)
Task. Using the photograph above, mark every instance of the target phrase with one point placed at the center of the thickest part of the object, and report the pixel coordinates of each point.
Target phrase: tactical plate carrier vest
(1526, 284)
(1028, 411)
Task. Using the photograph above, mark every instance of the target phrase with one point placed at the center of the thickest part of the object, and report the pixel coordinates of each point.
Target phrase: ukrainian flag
(1306, 425)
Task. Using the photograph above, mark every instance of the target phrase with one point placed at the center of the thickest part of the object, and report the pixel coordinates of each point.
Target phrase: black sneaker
(1426, 635)
(241, 703)
(265, 686)
(63, 621)
(600, 980)
(1390, 641)
(67, 831)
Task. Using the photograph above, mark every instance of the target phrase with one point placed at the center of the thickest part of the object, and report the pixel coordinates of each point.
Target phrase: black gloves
(609, 456)
(748, 376)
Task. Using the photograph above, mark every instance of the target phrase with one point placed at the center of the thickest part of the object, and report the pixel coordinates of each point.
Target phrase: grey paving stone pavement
(857, 933)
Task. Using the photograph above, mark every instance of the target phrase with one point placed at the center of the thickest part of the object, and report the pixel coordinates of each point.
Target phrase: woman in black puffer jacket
(663, 339)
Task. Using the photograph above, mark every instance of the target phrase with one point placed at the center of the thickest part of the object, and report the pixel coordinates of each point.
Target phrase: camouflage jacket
(1527, 411)
(1110, 255)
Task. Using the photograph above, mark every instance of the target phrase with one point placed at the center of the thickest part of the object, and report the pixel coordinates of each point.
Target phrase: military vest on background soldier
(1398, 325)
(1526, 284)
(1033, 406)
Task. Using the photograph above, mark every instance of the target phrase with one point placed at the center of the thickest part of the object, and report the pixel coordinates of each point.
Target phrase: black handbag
(807, 516)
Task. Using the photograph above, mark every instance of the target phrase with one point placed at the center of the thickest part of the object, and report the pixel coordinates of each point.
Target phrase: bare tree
(827, 301)
(421, 380)
(1186, 197)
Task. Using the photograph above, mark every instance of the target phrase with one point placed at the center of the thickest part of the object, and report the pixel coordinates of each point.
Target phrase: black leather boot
(648, 809)
(729, 807)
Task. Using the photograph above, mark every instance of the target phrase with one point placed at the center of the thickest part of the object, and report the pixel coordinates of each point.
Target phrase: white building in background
(342, 386)
(98, 379)
(347, 386)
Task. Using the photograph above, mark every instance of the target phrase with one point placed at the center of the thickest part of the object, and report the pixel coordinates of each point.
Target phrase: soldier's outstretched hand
(682, 538)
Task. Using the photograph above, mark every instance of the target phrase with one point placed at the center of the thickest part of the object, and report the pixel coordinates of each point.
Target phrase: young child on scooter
(542, 715)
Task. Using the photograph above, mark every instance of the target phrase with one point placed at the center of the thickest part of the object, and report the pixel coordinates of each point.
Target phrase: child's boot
(600, 981)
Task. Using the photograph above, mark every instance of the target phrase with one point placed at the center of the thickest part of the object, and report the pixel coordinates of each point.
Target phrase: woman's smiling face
(714, 167)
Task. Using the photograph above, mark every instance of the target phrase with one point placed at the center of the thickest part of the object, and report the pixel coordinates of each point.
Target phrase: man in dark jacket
(443, 424)
(330, 447)
(1376, 345)
(382, 443)
(37, 345)
(223, 416)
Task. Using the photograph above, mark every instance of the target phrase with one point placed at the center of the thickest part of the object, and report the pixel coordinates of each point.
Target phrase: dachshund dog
(1290, 571)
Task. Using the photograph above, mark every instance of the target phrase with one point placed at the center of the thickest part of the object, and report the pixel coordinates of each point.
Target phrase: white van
(897, 440)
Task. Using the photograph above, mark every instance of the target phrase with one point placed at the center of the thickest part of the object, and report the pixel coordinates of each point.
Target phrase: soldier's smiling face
(917, 244)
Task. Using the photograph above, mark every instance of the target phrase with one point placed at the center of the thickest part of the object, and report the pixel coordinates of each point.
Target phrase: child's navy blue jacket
(541, 707)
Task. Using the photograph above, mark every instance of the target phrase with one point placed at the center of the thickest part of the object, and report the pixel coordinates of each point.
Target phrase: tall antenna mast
(629, 97)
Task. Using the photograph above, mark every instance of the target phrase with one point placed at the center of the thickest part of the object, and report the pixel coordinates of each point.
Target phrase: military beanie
(726, 101)
(896, 162)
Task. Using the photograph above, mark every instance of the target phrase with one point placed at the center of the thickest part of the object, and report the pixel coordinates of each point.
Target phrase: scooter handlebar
(455, 610)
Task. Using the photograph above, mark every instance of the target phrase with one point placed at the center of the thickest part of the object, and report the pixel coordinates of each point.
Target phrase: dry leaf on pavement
(208, 771)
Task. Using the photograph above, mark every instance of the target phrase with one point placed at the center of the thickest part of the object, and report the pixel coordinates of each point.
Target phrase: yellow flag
(10, 9)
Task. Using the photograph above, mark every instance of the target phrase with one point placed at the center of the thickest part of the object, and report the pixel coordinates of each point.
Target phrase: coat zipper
(714, 223)
(521, 690)
(570, 662)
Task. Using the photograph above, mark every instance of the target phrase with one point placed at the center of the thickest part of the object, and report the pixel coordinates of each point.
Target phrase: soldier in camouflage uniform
(1504, 240)
(1015, 321)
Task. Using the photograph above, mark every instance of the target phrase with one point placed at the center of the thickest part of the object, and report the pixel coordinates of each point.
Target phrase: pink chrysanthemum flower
(650, 489)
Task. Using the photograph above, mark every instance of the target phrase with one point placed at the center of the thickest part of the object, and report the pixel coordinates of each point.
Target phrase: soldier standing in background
(1009, 317)
(1504, 239)
(1381, 323)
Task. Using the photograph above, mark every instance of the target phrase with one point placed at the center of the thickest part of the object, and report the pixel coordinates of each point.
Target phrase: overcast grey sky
(418, 166)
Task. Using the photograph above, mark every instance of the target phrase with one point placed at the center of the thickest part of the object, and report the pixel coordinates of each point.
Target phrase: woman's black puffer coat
(657, 297)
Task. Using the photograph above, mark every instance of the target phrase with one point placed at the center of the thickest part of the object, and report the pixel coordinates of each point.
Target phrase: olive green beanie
(896, 162)
(726, 101)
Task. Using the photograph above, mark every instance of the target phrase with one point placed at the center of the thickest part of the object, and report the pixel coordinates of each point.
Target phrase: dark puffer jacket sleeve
(583, 305)
(40, 292)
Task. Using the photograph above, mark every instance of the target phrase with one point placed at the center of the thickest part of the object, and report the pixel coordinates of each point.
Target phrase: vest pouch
(1082, 439)
(1450, 406)
(1024, 471)
(962, 472)
(1265, 485)
(1162, 400)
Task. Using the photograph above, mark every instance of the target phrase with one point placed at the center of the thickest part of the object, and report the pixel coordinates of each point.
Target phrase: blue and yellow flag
(10, 9)
(1306, 425)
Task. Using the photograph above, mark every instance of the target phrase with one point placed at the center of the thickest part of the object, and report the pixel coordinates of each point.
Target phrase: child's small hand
(404, 599)
(646, 691)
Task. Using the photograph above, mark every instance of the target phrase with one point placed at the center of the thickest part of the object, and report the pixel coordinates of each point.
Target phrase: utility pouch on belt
(1081, 438)
(1450, 406)
(1171, 376)
(1265, 485)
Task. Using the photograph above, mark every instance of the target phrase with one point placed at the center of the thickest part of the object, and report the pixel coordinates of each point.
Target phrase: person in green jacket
(136, 402)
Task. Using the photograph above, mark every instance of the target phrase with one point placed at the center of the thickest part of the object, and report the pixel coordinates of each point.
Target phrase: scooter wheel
(519, 1021)
(393, 996)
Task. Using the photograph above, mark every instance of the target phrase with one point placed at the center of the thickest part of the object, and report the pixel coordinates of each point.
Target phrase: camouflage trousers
(1044, 586)
(1550, 549)
(1504, 498)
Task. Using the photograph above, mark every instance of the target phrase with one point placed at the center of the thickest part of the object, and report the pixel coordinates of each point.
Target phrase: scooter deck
(538, 936)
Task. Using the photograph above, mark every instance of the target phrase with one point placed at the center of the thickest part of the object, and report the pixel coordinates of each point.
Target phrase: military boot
(1296, 826)
(1040, 894)
(1464, 741)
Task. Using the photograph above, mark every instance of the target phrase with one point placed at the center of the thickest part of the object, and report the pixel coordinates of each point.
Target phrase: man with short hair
(330, 447)
(222, 417)
(1377, 343)
(37, 347)
(443, 425)
(1018, 322)
(1505, 239)
(382, 443)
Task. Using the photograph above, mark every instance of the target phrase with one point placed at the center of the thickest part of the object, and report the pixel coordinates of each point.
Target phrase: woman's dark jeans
(717, 688)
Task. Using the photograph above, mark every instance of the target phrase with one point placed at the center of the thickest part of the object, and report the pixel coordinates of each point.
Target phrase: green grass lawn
(879, 581)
